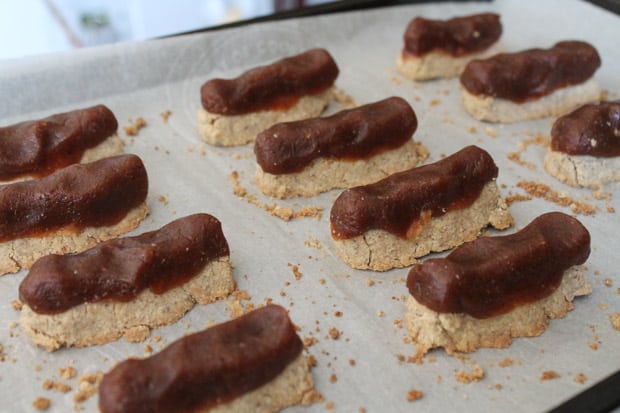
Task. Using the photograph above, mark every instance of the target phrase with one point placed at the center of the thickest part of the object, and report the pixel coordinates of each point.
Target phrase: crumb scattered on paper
(540, 190)
(134, 127)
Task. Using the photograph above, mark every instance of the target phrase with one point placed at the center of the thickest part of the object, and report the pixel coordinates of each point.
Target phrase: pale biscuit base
(101, 322)
(380, 250)
(293, 386)
(112, 146)
(23, 252)
(582, 170)
(561, 101)
(324, 174)
(437, 65)
(235, 130)
(464, 333)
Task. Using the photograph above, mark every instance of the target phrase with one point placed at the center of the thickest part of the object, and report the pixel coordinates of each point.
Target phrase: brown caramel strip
(353, 134)
(97, 194)
(589, 130)
(39, 147)
(492, 275)
(272, 87)
(403, 201)
(205, 369)
(532, 73)
(458, 36)
(120, 269)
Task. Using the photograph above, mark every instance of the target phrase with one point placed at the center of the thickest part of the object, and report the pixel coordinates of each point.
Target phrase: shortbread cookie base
(293, 386)
(101, 322)
(463, 333)
(23, 252)
(582, 170)
(558, 103)
(380, 250)
(112, 146)
(435, 65)
(235, 130)
(324, 174)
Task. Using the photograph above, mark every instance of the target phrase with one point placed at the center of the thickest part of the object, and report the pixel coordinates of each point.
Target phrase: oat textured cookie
(36, 148)
(585, 146)
(393, 222)
(442, 48)
(70, 210)
(353, 147)
(260, 367)
(125, 287)
(535, 83)
(493, 289)
(235, 110)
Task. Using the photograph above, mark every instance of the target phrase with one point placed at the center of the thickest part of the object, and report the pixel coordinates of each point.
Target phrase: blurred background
(29, 27)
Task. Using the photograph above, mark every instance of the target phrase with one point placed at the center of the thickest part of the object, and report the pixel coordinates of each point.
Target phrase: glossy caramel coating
(492, 275)
(399, 202)
(96, 194)
(532, 73)
(120, 269)
(589, 130)
(205, 369)
(458, 36)
(39, 147)
(350, 134)
(272, 87)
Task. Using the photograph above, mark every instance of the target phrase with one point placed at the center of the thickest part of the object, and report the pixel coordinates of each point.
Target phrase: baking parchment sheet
(366, 366)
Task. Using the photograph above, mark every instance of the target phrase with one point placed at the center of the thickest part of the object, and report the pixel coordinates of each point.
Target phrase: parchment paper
(147, 78)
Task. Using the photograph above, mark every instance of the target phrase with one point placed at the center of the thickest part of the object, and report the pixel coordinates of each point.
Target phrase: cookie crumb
(413, 395)
(67, 373)
(580, 378)
(615, 320)
(134, 127)
(333, 378)
(165, 115)
(490, 132)
(17, 305)
(608, 282)
(505, 362)
(296, 271)
(334, 333)
(477, 374)
(87, 386)
(549, 375)
(41, 403)
(540, 190)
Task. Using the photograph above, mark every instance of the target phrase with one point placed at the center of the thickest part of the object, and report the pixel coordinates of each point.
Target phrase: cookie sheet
(293, 263)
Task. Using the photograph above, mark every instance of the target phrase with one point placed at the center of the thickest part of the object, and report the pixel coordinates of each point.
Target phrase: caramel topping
(351, 134)
(277, 86)
(403, 202)
(205, 369)
(97, 194)
(39, 147)
(590, 130)
(458, 36)
(492, 275)
(120, 269)
(532, 73)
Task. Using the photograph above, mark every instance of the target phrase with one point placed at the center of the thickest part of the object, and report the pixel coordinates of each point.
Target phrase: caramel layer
(532, 73)
(589, 130)
(401, 202)
(351, 134)
(205, 369)
(120, 269)
(39, 147)
(492, 275)
(277, 86)
(97, 194)
(458, 36)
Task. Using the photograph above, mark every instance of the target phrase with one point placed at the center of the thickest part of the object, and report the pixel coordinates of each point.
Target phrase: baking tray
(366, 366)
